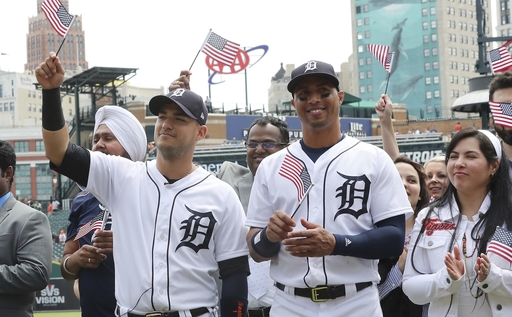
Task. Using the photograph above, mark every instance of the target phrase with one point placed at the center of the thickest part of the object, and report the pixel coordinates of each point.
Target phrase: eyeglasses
(265, 145)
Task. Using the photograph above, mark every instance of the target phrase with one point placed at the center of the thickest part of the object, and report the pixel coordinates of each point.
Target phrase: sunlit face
(267, 133)
(317, 102)
(468, 169)
(106, 142)
(503, 95)
(411, 181)
(175, 132)
(437, 179)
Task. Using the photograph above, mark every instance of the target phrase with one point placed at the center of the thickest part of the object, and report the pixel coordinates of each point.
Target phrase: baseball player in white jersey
(324, 251)
(175, 223)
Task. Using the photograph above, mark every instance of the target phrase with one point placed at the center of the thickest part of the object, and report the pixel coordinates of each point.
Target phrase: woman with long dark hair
(446, 264)
(393, 301)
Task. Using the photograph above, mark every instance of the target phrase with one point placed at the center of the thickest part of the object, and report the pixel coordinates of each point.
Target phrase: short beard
(504, 134)
(172, 154)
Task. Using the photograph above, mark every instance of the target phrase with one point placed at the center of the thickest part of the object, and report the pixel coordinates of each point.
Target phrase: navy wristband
(53, 118)
(263, 246)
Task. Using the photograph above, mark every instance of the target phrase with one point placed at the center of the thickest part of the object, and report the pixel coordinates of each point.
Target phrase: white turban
(126, 128)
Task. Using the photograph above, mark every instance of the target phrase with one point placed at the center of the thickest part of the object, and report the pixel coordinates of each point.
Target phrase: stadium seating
(58, 220)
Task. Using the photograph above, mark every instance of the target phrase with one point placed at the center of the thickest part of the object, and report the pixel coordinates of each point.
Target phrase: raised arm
(50, 75)
(384, 109)
(181, 82)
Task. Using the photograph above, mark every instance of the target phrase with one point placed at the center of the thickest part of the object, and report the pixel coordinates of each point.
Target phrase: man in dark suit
(266, 136)
(26, 244)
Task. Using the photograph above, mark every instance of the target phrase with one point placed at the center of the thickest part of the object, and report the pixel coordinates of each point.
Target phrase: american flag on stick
(501, 244)
(296, 172)
(382, 54)
(96, 223)
(501, 113)
(499, 59)
(58, 16)
(220, 49)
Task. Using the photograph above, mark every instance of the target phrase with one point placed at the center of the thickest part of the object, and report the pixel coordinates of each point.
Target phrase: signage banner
(57, 295)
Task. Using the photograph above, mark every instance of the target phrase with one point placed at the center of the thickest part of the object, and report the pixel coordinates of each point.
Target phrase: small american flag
(220, 49)
(58, 17)
(96, 223)
(500, 59)
(381, 52)
(501, 113)
(501, 244)
(296, 172)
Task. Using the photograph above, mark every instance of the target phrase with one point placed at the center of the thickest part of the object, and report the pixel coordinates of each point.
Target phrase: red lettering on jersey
(434, 224)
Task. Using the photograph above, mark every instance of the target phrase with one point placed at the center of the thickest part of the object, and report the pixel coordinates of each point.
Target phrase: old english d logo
(353, 194)
(311, 65)
(198, 229)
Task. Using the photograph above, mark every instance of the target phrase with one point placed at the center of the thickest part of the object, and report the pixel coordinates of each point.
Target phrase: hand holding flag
(58, 17)
(499, 249)
(382, 54)
(219, 49)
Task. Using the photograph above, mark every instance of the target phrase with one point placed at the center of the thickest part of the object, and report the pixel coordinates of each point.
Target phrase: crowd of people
(326, 226)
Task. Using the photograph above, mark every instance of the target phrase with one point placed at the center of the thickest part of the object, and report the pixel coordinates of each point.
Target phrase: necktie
(258, 280)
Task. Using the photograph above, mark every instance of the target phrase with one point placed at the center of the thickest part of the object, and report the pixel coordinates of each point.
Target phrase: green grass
(59, 314)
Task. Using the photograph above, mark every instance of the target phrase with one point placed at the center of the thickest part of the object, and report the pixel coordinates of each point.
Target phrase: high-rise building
(42, 39)
(435, 45)
(504, 23)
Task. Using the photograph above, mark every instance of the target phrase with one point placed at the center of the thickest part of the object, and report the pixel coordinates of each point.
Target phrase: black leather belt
(262, 312)
(194, 312)
(324, 293)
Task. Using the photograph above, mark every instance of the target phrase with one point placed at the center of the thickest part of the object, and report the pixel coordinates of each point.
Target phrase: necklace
(464, 249)
(479, 292)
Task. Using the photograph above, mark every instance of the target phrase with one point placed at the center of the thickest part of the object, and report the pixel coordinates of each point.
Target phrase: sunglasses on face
(265, 145)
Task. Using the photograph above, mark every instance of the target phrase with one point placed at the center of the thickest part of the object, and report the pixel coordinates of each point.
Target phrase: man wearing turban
(88, 249)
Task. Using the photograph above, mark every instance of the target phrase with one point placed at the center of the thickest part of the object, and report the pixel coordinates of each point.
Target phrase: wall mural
(399, 24)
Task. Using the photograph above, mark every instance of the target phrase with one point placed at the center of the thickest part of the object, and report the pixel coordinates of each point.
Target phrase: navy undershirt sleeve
(75, 164)
(234, 273)
(384, 241)
(233, 266)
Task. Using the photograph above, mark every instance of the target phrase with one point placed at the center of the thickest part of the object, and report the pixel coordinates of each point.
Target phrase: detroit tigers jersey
(168, 238)
(355, 186)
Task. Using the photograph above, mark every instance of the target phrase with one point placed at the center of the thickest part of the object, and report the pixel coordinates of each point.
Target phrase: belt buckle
(154, 315)
(314, 294)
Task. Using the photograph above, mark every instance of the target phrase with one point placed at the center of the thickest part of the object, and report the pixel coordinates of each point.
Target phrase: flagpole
(202, 46)
(303, 198)
(389, 73)
(245, 75)
(387, 82)
(61, 43)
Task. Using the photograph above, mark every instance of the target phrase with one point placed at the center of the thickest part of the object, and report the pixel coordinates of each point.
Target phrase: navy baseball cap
(189, 101)
(313, 68)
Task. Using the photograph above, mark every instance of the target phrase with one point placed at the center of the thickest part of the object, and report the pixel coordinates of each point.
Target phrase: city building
(504, 23)
(21, 101)
(435, 44)
(42, 38)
